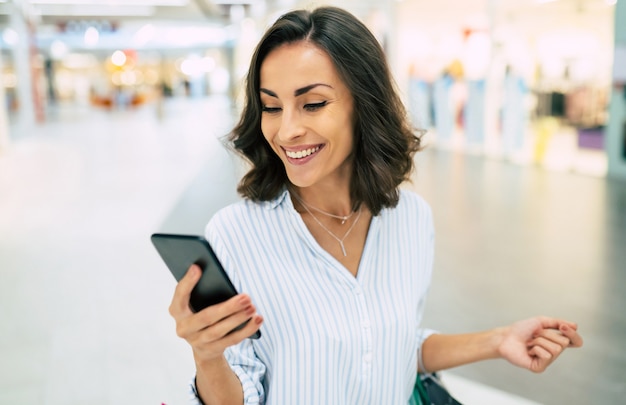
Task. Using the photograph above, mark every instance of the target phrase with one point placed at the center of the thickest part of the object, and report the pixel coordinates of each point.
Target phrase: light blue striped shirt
(328, 337)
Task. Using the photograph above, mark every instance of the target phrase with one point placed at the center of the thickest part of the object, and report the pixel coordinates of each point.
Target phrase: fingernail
(258, 319)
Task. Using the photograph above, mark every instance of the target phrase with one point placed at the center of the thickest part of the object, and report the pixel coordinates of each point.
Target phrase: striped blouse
(327, 337)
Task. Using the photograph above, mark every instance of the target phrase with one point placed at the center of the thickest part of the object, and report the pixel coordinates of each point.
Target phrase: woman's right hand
(207, 331)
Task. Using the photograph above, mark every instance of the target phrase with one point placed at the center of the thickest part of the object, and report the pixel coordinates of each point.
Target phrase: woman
(334, 255)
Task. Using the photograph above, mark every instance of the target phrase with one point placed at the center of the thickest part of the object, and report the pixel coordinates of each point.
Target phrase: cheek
(269, 131)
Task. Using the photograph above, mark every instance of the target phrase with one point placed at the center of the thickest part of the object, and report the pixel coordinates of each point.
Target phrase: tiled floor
(83, 295)
(514, 242)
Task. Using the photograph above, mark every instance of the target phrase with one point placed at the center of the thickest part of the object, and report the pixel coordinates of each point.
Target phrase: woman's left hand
(536, 342)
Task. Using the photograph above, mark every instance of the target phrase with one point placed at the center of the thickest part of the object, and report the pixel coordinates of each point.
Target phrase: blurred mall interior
(110, 130)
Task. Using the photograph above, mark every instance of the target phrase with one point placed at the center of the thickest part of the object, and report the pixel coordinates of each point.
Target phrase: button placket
(366, 333)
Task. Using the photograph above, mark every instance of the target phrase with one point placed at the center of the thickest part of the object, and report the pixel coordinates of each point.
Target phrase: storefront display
(535, 85)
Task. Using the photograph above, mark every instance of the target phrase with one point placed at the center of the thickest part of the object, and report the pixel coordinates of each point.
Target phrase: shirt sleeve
(248, 368)
(423, 335)
(250, 371)
(429, 253)
(194, 398)
(242, 357)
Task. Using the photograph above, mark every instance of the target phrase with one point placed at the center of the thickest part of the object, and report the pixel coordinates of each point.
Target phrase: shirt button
(366, 324)
(367, 357)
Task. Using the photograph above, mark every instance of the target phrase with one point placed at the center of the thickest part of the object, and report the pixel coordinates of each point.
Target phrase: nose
(291, 125)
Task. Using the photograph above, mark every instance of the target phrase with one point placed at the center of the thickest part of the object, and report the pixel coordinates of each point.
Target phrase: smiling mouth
(302, 153)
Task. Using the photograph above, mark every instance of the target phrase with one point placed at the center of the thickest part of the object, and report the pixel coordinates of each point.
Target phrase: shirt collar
(282, 197)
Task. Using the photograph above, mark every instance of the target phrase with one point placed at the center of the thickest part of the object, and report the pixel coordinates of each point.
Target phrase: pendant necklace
(343, 218)
(340, 240)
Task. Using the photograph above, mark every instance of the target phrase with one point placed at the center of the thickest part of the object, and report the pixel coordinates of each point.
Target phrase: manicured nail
(243, 300)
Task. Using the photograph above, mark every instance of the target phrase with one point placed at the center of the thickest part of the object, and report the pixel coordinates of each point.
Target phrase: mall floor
(84, 296)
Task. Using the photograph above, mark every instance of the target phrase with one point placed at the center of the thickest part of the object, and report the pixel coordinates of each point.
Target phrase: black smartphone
(179, 252)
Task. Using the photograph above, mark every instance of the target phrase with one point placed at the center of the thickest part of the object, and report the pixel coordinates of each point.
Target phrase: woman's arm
(532, 344)
(216, 383)
(208, 333)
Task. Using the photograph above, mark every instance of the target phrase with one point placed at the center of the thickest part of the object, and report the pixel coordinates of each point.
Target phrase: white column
(4, 125)
(22, 67)
(616, 129)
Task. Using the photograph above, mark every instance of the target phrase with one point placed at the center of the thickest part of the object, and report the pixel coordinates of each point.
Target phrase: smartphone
(179, 252)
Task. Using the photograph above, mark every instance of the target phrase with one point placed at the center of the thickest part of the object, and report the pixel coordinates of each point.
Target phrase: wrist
(209, 362)
(216, 383)
(497, 339)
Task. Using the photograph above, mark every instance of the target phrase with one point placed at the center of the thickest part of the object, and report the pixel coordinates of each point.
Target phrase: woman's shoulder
(239, 207)
(412, 212)
(240, 214)
(410, 200)
(233, 215)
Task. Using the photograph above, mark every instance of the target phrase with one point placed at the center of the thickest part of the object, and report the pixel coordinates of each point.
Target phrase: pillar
(616, 129)
(20, 21)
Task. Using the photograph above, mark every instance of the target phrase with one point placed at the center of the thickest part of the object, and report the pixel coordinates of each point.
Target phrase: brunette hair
(384, 142)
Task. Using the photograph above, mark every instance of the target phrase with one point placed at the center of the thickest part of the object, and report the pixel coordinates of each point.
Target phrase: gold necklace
(340, 240)
(343, 218)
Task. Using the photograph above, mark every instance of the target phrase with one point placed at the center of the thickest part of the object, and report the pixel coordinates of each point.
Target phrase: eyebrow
(298, 92)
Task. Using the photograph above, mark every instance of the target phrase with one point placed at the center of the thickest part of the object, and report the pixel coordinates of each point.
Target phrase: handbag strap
(420, 396)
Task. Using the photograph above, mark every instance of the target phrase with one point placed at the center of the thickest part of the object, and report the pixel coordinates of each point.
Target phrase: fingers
(542, 354)
(223, 317)
(211, 330)
(248, 330)
(220, 318)
(552, 336)
(571, 333)
(180, 302)
(555, 323)
(535, 343)
(548, 344)
(553, 344)
(566, 328)
(214, 339)
(217, 320)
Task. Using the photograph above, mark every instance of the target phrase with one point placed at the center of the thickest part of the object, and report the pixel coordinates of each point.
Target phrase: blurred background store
(109, 130)
(528, 80)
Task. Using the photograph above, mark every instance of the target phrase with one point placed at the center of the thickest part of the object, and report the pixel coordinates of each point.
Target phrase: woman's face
(307, 115)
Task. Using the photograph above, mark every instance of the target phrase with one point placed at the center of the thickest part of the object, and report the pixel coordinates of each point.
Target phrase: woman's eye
(314, 106)
(270, 110)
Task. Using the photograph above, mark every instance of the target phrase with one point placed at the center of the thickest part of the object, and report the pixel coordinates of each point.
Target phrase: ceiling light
(231, 2)
(10, 36)
(95, 11)
(113, 2)
(92, 36)
(144, 35)
(58, 49)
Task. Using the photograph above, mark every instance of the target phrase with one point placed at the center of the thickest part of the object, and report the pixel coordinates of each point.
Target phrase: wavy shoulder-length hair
(384, 141)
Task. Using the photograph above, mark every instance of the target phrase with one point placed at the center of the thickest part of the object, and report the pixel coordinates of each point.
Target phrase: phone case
(181, 251)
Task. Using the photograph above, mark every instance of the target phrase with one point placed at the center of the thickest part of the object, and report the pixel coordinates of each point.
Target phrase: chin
(299, 181)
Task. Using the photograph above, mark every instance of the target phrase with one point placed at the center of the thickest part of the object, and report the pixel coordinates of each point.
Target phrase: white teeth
(302, 153)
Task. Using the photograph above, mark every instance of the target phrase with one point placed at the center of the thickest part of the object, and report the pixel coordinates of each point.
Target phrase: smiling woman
(307, 115)
(343, 66)
(336, 258)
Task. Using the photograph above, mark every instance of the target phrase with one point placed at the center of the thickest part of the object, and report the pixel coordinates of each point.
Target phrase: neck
(324, 208)
(338, 204)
